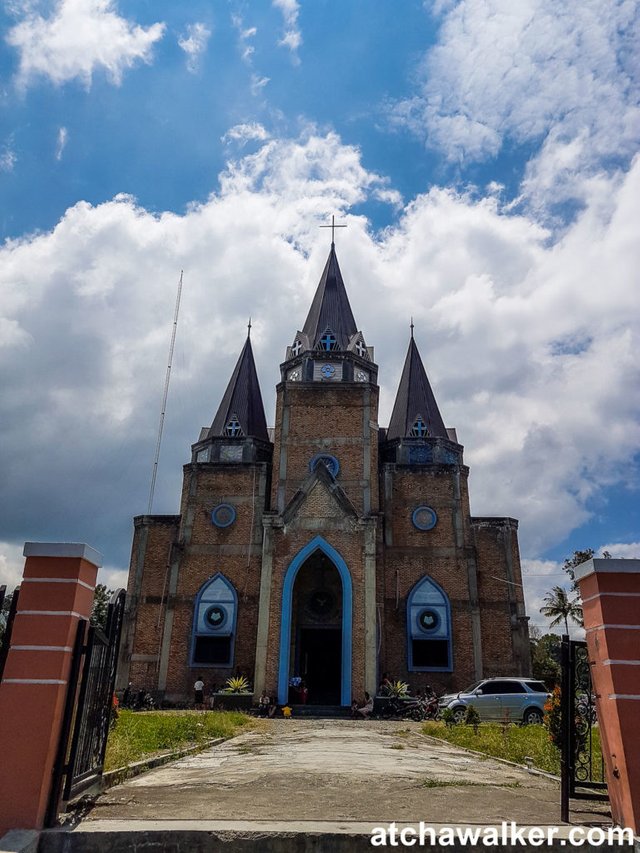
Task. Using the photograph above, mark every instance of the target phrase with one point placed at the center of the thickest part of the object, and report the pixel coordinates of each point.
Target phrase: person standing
(198, 694)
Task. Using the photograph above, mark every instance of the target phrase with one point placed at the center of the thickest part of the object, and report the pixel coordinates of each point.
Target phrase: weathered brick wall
(410, 554)
(153, 539)
(327, 419)
(234, 551)
(505, 636)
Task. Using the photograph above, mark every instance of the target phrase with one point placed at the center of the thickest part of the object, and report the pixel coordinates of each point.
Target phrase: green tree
(100, 605)
(571, 563)
(560, 608)
(545, 659)
(4, 614)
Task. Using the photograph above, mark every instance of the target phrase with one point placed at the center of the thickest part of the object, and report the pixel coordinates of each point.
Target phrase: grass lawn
(511, 742)
(138, 735)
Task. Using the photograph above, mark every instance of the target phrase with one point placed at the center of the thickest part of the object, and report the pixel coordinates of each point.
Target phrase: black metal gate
(85, 727)
(582, 765)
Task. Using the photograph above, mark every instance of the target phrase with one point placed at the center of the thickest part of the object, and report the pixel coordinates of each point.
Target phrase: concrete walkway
(338, 771)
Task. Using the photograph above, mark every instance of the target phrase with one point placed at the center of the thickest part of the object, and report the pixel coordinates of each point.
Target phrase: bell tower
(327, 400)
(324, 506)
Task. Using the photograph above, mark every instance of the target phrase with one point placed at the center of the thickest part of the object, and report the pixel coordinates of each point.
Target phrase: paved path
(337, 770)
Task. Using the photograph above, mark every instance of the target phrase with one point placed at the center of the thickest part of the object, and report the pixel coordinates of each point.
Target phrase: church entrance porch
(315, 642)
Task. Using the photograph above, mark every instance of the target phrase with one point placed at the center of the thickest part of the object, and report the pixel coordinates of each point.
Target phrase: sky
(484, 156)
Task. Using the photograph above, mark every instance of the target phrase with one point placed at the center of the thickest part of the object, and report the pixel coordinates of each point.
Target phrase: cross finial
(249, 328)
(333, 227)
(411, 327)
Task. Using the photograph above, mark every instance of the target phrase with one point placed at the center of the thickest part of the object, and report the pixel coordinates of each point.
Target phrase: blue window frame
(233, 427)
(328, 341)
(419, 428)
(429, 641)
(330, 461)
(214, 624)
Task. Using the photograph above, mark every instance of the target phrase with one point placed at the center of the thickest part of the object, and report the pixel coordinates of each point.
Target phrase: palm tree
(559, 607)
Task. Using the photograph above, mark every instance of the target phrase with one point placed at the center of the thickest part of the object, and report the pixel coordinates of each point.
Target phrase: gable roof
(415, 398)
(242, 399)
(330, 308)
(320, 475)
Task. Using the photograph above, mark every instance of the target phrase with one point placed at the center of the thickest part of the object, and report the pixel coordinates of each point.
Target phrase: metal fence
(583, 776)
(88, 710)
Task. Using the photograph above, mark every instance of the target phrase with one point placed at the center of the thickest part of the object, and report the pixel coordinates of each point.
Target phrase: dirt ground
(339, 770)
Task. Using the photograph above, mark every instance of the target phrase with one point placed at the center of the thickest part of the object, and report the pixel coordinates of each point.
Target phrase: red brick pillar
(56, 591)
(610, 591)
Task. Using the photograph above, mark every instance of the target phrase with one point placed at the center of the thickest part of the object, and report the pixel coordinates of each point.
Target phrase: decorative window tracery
(214, 623)
(330, 461)
(419, 428)
(233, 427)
(328, 341)
(429, 643)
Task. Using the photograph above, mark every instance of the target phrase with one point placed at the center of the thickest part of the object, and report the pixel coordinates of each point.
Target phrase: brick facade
(365, 513)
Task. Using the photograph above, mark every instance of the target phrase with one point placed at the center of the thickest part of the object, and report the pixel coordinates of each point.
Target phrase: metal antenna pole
(165, 395)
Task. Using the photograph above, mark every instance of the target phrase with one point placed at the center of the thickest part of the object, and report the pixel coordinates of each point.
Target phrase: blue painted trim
(318, 543)
(422, 508)
(194, 633)
(330, 461)
(216, 510)
(410, 637)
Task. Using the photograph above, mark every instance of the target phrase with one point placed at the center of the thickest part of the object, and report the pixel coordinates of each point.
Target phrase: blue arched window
(429, 645)
(214, 623)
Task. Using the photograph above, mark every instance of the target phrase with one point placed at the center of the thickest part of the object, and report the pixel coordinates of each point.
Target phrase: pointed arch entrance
(316, 557)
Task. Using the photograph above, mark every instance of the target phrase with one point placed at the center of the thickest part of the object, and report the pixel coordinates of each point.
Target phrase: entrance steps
(320, 712)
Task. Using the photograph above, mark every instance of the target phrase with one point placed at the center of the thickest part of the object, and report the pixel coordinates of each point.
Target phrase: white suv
(517, 699)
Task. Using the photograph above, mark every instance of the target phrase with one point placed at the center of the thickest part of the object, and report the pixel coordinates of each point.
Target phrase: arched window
(429, 645)
(214, 623)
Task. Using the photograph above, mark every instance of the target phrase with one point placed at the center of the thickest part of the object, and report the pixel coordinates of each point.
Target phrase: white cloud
(258, 83)
(292, 38)
(245, 36)
(8, 159)
(562, 78)
(61, 143)
(530, 356)
(79, 37)
(11, 564)
(622, 550)
(194, 43)
(243, 133)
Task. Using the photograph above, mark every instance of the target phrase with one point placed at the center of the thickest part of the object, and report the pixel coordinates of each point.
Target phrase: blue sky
(484, 156)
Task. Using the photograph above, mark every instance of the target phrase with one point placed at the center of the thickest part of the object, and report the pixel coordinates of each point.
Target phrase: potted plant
(235, 696)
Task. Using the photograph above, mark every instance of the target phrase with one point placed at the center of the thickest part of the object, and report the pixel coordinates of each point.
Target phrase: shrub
(472, 718)
(236, 684)
(398, 689)
(553, 717)
(447, 717)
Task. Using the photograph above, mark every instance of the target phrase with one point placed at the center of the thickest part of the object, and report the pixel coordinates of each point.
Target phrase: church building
(328, 548)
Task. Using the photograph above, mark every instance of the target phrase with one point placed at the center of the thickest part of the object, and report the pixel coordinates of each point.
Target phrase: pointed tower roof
(241, 412)
(415, 411)
(330, 309)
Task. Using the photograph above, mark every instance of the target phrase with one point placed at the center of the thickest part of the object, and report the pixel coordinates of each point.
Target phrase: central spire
(330, 311)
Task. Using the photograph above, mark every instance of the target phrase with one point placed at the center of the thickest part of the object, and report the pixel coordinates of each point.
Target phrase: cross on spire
(249, 328)
(333, 227)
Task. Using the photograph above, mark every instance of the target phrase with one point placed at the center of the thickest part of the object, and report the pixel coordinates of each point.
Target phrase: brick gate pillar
(610, 591)
(57, 590)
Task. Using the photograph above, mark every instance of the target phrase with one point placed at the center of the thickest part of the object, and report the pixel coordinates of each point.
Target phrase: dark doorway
(321, 665)
(316, 652)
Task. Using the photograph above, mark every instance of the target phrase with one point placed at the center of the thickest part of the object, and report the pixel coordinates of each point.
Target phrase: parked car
(521, 699)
